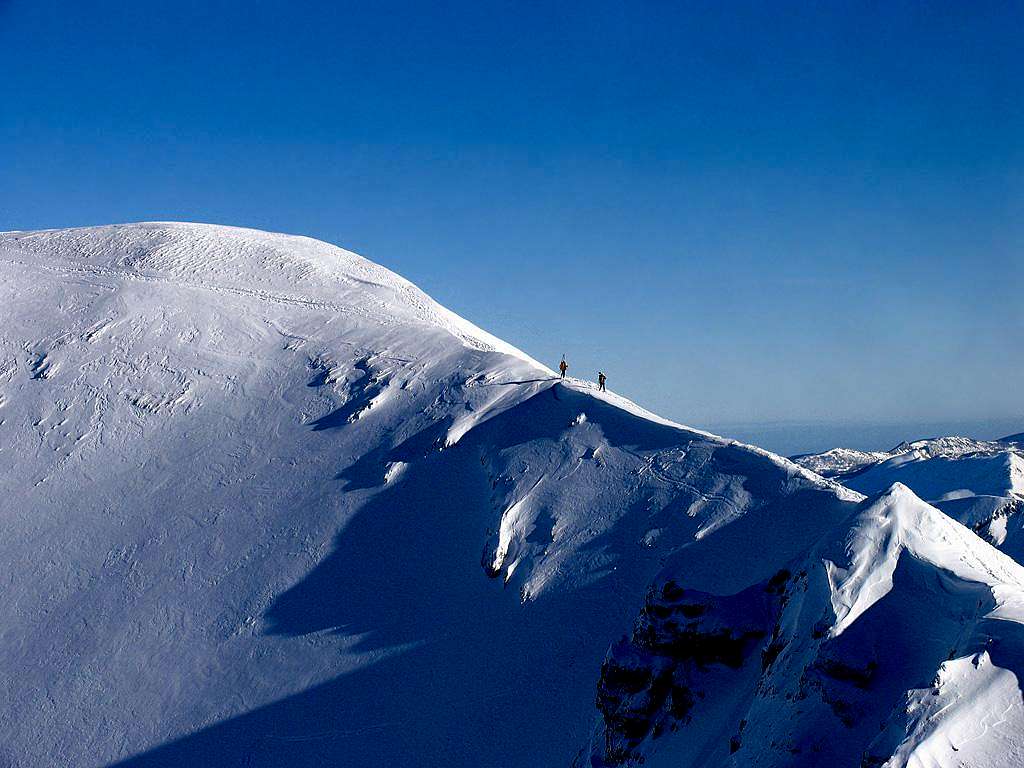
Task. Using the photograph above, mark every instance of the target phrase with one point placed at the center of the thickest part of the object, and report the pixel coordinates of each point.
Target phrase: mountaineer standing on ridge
(601, 378)
(563, 367)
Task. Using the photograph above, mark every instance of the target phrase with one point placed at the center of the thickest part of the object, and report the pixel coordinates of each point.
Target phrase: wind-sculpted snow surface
(265, 503)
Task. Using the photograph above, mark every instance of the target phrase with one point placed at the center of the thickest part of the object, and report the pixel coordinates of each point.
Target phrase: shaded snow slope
(265, 503)
(978, 482)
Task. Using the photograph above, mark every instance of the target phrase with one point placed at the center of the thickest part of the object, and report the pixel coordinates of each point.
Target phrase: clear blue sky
(740, 211)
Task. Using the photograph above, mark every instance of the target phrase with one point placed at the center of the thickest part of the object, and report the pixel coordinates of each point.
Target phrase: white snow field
(264, 503)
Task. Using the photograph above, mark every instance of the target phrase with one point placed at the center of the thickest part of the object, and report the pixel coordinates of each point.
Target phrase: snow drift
(266, 503)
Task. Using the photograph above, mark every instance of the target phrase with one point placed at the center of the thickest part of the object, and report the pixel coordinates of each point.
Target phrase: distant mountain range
(978, 482)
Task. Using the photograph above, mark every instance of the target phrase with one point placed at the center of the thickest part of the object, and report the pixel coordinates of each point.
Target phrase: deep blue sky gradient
(742, 212)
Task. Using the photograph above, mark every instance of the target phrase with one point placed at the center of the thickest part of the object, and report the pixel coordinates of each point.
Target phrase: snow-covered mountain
(265, 503)
(896, 640)
(840, 462)
(978, 482)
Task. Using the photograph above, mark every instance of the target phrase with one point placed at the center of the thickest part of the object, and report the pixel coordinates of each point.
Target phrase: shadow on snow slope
(458, 670)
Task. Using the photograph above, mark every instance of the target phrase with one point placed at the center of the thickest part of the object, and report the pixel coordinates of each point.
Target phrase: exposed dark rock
(651, 681)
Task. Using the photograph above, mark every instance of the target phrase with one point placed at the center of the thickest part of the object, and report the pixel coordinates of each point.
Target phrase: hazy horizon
(790, 438)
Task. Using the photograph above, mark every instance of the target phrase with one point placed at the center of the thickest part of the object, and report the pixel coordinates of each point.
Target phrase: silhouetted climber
(563, 367)
(601, 378)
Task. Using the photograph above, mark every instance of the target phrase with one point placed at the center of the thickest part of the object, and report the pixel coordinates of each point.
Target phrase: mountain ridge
(978, 482)
(321, 520)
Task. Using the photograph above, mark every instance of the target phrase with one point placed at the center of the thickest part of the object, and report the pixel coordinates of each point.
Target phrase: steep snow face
(266, 503)
(896, 523)
(858, 676)
(898, 641)
(978, 482)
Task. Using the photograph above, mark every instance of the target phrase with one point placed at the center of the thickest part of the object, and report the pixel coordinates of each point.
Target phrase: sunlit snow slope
(978, 482)
(265, 503)
(897, 640)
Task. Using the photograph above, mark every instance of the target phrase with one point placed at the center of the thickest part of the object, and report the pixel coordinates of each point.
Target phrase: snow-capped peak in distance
(978, 482)
(896, 640)
(844, 462)
(264, 502)
(952, 447)
(839, 462)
